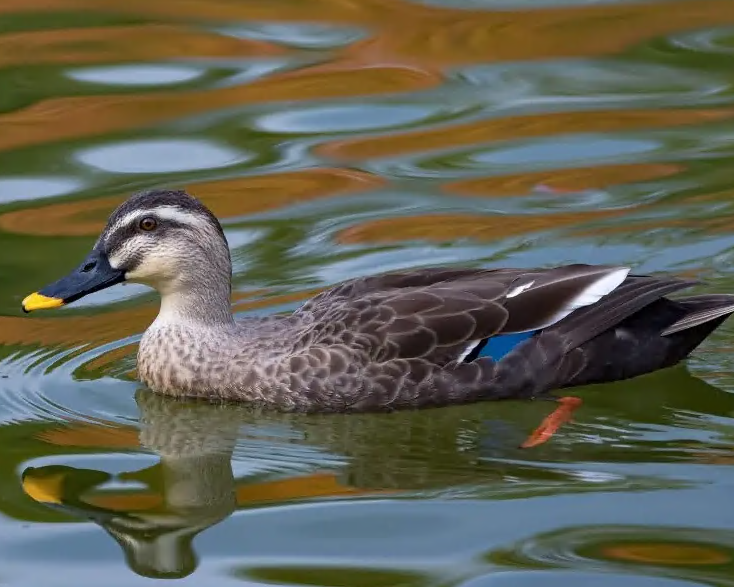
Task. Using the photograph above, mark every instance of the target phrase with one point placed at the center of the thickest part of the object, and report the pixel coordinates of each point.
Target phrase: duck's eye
(148, 223)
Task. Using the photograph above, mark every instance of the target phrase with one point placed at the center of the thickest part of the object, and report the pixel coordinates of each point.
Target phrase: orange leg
(552, 423)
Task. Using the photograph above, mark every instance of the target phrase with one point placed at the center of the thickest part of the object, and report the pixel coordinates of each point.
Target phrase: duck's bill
(94, 274)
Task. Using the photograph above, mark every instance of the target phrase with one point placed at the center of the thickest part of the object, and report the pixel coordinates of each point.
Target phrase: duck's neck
(207, 306)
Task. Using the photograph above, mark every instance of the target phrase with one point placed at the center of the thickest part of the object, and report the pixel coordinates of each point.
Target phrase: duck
(417, 338)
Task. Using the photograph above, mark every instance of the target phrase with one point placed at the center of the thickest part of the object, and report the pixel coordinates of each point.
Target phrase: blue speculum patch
(498, 346)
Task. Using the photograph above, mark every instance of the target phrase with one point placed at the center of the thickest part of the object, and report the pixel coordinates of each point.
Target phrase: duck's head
(165, 239)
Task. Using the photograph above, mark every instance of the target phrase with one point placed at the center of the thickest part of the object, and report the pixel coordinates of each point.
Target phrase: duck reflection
(193, 486)
(189, 490)
(155, 513)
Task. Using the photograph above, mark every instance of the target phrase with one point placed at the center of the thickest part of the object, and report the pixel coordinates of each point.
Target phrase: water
(338, 138)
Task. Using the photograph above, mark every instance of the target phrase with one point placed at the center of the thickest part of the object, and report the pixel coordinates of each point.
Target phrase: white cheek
(152, 269)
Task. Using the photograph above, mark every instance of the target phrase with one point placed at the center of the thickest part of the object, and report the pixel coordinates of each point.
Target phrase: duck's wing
(439, 314)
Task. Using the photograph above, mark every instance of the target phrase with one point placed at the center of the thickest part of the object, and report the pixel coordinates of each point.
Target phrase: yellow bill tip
(36, 301)
(44, 489)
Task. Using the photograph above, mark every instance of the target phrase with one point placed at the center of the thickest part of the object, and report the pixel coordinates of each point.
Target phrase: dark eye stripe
(116, 239)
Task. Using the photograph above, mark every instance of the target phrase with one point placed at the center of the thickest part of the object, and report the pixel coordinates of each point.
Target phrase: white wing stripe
(600, 288)
(592, 294)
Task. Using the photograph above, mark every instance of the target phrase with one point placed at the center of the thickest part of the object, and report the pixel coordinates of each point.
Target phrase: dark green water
(336, 138)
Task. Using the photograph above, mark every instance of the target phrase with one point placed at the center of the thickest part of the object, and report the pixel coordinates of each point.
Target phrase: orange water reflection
(562, 180)
(668, 554)
(407, 48)
(450, 227)
(75, 117)
(498, 129)
(450, 37)
(443, 34)
(123, 43)
(226, 198)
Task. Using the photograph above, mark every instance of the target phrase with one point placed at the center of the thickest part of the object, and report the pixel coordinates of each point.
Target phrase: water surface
(334, 139)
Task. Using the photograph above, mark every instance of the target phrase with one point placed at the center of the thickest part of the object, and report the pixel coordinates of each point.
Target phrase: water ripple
(46, 384)
(303, 35)
(148, 74)
(701, 557)
(337, 138)
(346, 118)
(713, 40)
(17, 189)
(161, 156)
(574, 84)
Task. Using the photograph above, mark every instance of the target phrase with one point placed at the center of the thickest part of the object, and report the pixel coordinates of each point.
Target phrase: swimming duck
(407, 339)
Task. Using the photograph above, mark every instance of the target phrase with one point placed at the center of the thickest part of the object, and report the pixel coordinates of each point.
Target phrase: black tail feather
(701, 309)
(659, 335)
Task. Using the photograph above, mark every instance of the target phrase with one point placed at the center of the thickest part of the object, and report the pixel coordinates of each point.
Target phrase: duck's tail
(658, 336)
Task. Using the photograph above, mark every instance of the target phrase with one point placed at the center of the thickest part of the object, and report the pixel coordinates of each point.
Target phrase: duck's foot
(552, 423)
